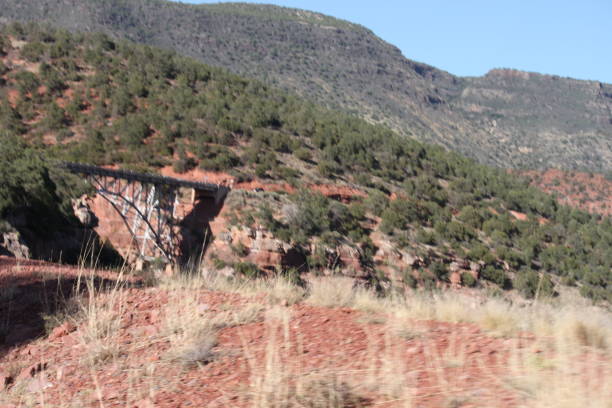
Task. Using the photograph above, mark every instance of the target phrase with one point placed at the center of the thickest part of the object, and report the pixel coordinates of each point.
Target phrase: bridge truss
(147, 211)
(146, 204)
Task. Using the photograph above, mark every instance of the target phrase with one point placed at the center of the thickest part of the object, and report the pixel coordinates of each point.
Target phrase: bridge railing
(155, 179)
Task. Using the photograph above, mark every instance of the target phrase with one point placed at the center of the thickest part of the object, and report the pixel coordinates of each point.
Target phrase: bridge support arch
(147, 205)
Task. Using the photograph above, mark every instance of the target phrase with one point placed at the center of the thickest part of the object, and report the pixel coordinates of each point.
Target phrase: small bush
(494, 274)
(467, 279)
(183, 165)
(192, 335)
(240, 250)
(303, 154)
(439, 270)
(532, 284)
(409, 279)
(426, 237)
(247, 269)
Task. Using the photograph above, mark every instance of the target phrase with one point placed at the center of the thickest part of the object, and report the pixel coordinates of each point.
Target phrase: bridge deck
(155, 179)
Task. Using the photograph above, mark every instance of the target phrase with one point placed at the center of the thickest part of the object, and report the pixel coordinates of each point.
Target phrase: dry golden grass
(331, 292)
(191, 334)
(277, 382)
(573, 368)
(99, 315)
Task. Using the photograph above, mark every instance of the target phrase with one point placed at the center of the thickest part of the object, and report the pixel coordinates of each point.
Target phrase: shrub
(409, 279)
(33, 51)
(183, 165)
(218, 158)
(314, 216)
(303, 154)
(478, 252)
(26, 183)
(134, 130)
(293, 276)
(240, 249)
(426, 237)
(531, 284)
(467, 279)
(287, 173)
(471, 216)
(327, 169)
(247, 269)
(27, 82)
(458, 232)
(439, 270)
(56, 117)
(494, 274)
(376, 202)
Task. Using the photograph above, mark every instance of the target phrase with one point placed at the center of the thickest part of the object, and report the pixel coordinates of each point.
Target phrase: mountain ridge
(508, 120)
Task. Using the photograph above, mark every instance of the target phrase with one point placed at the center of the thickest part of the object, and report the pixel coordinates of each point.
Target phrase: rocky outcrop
(83, 212)
(66, 240)
(257, 246)
(12, 244)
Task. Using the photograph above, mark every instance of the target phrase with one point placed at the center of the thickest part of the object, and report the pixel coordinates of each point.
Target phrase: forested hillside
(506, 118)
(94, 99)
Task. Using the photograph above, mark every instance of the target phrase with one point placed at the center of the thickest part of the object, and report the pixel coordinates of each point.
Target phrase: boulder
(350, 260)
(14, 246)
(475, 268)
(62, 330)
(83, 212)
(227, 272)
(455, 267)
(85, 216)
(409, 259)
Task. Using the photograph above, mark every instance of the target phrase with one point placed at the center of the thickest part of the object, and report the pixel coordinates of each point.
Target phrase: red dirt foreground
(173, 347)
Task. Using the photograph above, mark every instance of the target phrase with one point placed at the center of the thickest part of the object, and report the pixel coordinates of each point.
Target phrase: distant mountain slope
(506, 118)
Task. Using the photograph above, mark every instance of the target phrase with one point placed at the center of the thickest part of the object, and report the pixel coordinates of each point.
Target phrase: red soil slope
(441, 363)
(590, 192)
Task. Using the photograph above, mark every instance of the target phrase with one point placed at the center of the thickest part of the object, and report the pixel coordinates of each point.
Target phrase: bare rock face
(13, 244)
(475, 268)
(83, 212)
(257, 246)
(347, 259)
(455, 278)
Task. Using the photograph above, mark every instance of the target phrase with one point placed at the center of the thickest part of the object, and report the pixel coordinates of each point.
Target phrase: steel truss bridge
(146, 204)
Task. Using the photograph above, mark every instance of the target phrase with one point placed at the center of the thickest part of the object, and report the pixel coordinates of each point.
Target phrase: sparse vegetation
(554, 341)
(340, 64)
(277, 336)
(164, 107)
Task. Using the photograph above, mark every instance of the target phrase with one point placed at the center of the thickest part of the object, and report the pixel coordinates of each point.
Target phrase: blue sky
(469, 37)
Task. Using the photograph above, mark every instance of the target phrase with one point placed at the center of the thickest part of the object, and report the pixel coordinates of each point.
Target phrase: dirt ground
(253, 363)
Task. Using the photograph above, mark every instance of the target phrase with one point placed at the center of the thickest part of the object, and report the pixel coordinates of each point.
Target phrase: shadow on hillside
(196, 232)
(71, 246)
(29, 295)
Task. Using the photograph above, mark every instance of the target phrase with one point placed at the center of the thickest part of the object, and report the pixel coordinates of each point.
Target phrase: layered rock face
(257, 246)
